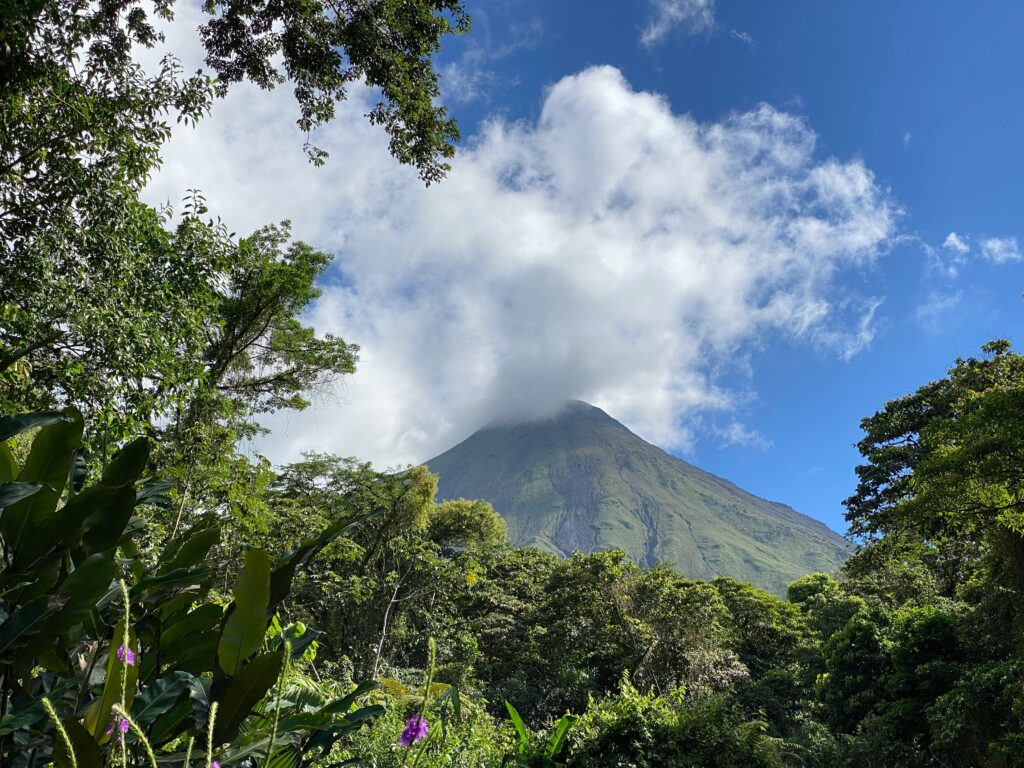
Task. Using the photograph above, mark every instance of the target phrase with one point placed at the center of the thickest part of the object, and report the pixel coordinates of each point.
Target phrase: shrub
(103, 656)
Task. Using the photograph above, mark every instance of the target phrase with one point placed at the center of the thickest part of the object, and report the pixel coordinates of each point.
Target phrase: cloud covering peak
(613, 251)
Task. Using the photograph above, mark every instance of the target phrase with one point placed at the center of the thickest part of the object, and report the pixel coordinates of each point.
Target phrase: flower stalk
(61, 731)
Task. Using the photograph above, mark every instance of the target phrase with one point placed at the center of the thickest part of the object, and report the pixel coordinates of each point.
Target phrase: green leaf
(15, 425)
(246, 622)
(360, 716)
(168, 582)
(83, 587)
(49, 462)
(54, 659)
(159, 697)
(97, 717)
(455, 697)
(200, 620)
(128, 464)
(87, 751)
(93, 506)
(191, 549)
(8, 466)
(104, 526)
(245, 749)
(517, 721)
(19, 720)
(172, 723)
(324, 738)
(194, 655)
(344, 704)
(245, 692)
(79, 470)
(23, 625)
(286, 757)
(154, 491)
(199, 692)
(557, 739)
(12, 492)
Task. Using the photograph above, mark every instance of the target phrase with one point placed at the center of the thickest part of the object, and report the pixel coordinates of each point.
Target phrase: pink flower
(126, 656)
(214, 764)
(415, 730)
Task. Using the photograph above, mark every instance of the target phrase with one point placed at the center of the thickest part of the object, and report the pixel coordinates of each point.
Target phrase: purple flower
(415, 730)
(122, 726)
(214, 764)
(126, 656)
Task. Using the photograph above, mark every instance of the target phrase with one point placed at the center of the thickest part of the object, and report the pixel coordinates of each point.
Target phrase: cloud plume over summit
(613, 250)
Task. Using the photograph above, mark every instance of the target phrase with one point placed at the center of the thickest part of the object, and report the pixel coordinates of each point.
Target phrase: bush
(634, 730)
(103, 655)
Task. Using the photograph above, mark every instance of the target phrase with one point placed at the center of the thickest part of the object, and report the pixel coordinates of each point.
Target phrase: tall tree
(110, 303)
(944, 477)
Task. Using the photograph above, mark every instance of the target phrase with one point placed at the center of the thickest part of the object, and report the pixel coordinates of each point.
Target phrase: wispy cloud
(736, 433)
(1001, 249)
(907, 136)
(693, 16)
(856, 332)
(744, 37)
(956, 243)
(472, 76)
(937, 308)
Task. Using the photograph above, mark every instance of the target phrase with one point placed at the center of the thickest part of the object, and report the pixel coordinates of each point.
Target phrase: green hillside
(582, 481)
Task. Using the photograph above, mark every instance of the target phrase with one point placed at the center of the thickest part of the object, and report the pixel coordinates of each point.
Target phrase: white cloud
(856, 330)
(666, 15)
(612, 251)
(736, 433)
(907, 136)
(956, 243)
(1001, 249)
(946, 260)
(471, 77)
(937, 308)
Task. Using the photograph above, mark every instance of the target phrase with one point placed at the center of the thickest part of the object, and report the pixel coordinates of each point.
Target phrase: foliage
(476, 739)
(944, 477)
(537, 750)
(153, 650)
(322, 48)
(646, 731)
(140, 318)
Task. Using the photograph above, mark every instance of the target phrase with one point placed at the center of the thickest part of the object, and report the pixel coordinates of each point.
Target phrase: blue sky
(738, 227)
(927, 94)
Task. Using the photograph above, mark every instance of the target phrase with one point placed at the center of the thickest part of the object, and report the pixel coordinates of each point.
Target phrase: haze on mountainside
(580, 480)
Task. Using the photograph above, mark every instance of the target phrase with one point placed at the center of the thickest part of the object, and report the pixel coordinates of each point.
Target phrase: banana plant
(533, 751)
(107, 661)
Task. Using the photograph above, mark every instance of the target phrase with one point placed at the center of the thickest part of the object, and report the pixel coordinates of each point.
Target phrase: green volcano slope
(582, 481)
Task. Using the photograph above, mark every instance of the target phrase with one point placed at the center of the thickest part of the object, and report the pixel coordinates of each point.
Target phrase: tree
(111, 305)
(463, 525)
(258, 357)
(824, 601)
(944, 478)
(856, 659)
(323, 48)
(688, 644)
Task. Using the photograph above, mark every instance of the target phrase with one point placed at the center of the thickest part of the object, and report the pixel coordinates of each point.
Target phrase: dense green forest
(167, 599)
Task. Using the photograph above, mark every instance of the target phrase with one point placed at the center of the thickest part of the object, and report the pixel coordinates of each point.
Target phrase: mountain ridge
(580, 480)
